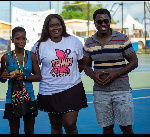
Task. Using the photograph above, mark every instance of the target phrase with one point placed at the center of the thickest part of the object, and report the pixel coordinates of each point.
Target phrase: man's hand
(96, 77)
(104, 78)
(112, 75)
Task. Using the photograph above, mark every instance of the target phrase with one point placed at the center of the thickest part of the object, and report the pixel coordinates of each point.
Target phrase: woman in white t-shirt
(61, 91)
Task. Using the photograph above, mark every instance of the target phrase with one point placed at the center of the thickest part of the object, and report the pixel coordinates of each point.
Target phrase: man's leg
(126, 129)
(108, 129)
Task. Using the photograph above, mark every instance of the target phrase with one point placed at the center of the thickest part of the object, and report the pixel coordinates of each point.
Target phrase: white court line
(132, 90)
(92, 93)
(133, 98)
(141, 97)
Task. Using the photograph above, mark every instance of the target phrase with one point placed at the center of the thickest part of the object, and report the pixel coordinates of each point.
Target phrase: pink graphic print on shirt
(61, 65)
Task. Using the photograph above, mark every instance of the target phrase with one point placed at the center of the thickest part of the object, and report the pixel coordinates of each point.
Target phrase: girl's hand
(19, 76)
(5, 75)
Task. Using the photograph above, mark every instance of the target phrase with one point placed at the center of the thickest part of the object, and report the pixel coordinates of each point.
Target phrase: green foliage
(112, 21)
(79, 11)
(137, 19)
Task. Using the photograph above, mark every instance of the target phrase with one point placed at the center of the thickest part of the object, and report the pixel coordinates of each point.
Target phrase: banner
(32, 22)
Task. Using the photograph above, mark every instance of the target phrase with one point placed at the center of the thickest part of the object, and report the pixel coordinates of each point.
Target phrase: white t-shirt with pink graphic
(59, 64)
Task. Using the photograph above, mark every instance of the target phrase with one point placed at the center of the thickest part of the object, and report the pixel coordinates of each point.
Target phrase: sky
(135, 8)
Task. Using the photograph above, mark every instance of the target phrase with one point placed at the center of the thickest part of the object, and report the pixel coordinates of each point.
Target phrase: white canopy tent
(130, 24)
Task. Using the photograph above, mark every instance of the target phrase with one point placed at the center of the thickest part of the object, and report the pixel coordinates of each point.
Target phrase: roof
(81, 27)
(128, 22)
(76, 20)
(4, 22)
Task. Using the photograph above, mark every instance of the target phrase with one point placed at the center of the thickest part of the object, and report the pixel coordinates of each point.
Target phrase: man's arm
(131, 65)
(87, 66)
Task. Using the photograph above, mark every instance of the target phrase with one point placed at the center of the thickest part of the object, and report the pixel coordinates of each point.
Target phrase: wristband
(24, 77)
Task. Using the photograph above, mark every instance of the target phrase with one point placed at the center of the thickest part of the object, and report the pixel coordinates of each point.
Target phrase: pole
(88, 17)
(145, 25)
(40, 5)
(58, 7)
(122, 16)
(9, 45)
(10, 21)
(50, 5)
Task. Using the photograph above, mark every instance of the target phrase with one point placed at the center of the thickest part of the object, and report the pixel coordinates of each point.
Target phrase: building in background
(80, 28)
(5, 30)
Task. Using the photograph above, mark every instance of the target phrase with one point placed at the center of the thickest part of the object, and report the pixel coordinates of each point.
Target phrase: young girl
(27, 62)
(61, 92)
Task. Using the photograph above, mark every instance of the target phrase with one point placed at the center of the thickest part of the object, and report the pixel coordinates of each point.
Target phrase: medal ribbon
(18, 64)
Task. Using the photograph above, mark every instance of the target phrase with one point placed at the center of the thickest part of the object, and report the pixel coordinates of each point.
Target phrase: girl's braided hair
(45, 30)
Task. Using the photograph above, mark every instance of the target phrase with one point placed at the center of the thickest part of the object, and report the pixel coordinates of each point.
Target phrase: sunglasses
(106, 21)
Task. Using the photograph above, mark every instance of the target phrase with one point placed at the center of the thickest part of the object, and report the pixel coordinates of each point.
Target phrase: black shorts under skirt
(9, 115)
(69, 100)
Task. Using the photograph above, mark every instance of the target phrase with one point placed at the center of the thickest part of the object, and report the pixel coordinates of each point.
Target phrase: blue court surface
(87, 123)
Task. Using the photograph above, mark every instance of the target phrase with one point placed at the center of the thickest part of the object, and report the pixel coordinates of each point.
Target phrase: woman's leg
(29, 124)
(14, 126)
(56, 124)
(69, 122)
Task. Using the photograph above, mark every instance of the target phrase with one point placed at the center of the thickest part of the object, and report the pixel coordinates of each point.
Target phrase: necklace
(18, 64)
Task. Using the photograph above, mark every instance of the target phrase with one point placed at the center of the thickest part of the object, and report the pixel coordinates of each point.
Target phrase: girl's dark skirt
(69, 100)
(8, 113)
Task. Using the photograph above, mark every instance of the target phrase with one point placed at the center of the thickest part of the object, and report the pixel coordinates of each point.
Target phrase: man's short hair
(101, 11)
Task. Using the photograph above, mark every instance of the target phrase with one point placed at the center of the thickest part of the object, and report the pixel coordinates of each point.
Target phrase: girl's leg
(56, 124)
(14, 126)
(29, 124)
(69, 122)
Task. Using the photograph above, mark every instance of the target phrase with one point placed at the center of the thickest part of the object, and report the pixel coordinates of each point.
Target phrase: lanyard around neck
(18, 64)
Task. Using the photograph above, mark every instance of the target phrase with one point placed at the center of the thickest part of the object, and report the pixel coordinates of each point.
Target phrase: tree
(79, 10)
(136, 19)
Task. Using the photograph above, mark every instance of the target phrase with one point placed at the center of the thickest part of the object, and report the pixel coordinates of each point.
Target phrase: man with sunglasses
(112, 92)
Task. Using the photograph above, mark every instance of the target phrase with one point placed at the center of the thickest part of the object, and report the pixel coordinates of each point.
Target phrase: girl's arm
(35, 70)
(4, 74)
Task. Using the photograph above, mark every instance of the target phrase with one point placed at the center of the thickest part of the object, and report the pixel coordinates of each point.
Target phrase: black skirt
(8, 113)
(69, 100)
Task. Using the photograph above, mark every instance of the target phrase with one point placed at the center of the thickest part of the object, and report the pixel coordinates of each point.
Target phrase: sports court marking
(92, 101)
